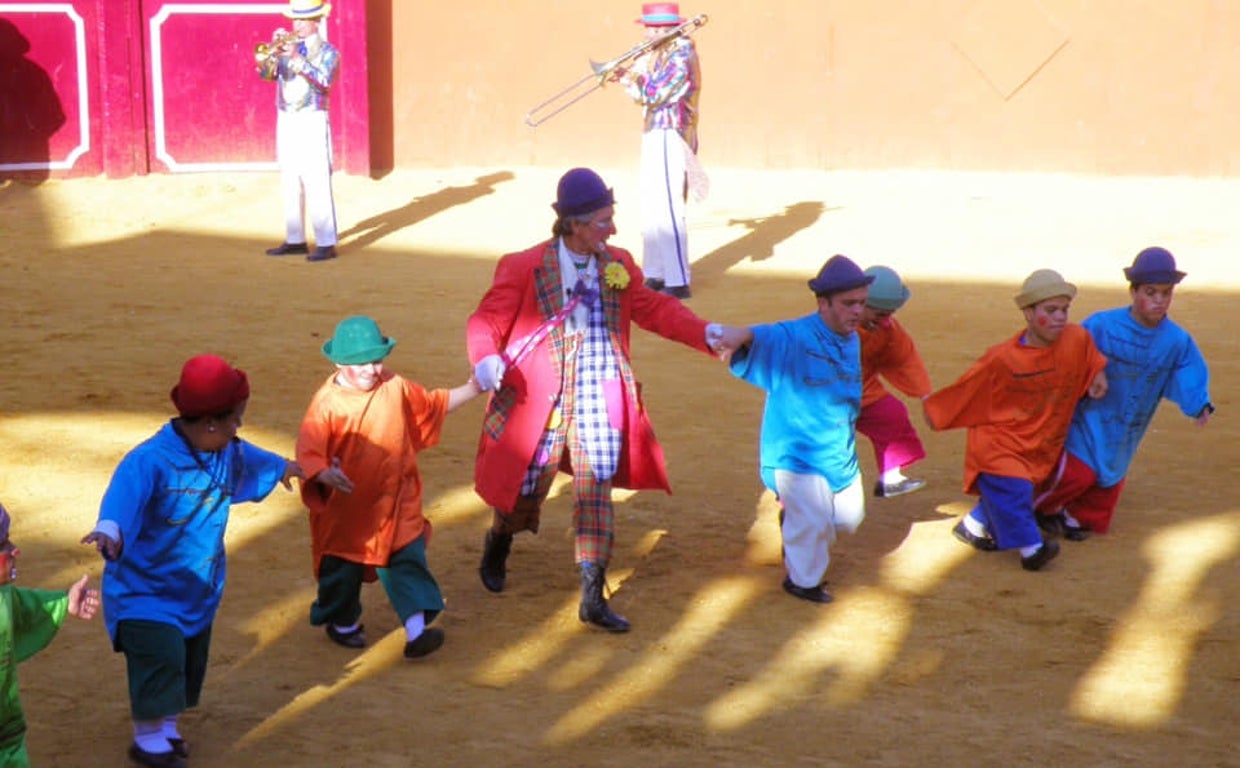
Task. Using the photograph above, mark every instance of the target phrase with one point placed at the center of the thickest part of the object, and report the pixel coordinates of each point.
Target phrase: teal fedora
(357, 341)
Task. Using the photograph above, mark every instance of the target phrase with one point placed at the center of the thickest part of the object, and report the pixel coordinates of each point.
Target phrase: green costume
(29, 619)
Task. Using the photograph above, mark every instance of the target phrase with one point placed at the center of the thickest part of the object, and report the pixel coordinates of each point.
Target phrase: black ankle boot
(493, 568)
(594, 609)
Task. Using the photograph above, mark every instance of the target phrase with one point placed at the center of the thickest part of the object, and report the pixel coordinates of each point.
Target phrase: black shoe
(907, 485)
(654, 283)
(284, 249)
(322, 253)
(594, 609)
(983, 543)
(679, 291)
(812, 594)
(424, 644)
(354, 639)
(1057, 526)
(494, 569)
(1046, 553)
(179, 747)
(156, 759)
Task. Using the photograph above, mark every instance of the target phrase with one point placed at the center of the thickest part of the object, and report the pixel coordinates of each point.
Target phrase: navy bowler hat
(581, 191)
(1153, 266)
(840, 273)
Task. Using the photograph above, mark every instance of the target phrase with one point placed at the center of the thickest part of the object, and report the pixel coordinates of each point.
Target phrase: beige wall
(1093, 86)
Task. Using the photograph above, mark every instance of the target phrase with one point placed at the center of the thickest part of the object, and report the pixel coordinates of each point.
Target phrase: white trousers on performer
(812, 514)
(304, 152)
(665, 242)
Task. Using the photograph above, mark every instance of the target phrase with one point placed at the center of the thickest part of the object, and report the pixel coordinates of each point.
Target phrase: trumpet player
(304, 66)
(666, 83)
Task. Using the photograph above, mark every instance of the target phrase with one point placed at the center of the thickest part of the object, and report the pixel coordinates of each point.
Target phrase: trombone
(602, 72)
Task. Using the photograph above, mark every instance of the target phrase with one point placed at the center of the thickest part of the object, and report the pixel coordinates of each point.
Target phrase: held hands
(489, 373)
(1098, 387)
(334, 477)
(83, 602)
(724, 340)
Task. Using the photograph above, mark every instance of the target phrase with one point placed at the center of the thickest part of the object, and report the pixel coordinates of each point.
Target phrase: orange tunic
(1017, 402)
(888, 351)
(377, 436)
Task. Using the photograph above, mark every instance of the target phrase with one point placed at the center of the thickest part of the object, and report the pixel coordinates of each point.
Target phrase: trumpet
(263, 52)
(603, 71)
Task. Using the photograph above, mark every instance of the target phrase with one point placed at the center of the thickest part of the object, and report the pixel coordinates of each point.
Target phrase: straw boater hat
(1041, 285)
(307, 9)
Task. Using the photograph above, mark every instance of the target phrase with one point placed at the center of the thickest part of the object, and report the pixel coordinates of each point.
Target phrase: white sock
(1069, 520)
(149, 736)
(1030, 550)
(893, 476)
(414, 626)
(170, 728)
(347, 630)
(975, 527)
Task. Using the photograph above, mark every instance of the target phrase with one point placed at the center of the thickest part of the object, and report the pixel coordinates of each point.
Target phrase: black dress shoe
(654, 283)
(812, 594)
(907, 485)
(322, 253)
(424, 644)
(179, 747)
(681, 292)
(1046, 553)
(284, 249)
(1057, 525)
(983, 543)
(354, 639)
(156, 759)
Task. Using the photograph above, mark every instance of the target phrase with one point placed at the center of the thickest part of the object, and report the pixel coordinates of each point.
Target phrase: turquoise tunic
(812, 376)
(1144, 365)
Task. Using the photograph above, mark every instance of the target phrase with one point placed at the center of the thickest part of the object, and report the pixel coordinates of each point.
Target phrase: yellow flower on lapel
(616, 276)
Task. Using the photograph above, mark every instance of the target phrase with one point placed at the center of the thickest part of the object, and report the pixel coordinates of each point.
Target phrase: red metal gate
(77, 96)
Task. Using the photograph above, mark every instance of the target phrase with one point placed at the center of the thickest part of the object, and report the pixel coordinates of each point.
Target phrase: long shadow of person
(420, 208)
(30, 110)
(765, 232)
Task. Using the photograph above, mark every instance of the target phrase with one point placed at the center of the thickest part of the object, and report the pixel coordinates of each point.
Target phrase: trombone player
(666, 81)
(303, 65)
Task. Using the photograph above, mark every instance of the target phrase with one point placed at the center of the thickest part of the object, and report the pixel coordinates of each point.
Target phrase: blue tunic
(812, 376)
(1144, 365)
(171, 505)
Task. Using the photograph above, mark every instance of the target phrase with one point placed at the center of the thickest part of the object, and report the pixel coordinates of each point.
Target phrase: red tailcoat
(526, 291)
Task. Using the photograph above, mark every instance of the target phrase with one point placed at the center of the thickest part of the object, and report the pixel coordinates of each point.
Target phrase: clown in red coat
(550, 340)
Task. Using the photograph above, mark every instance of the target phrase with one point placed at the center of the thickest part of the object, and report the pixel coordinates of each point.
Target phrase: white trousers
(304, 152)
(665, 242)
(812, 514)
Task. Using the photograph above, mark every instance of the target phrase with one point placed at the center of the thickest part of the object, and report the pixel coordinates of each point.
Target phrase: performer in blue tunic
(161, 531)
(1149, 358)
(811, 370)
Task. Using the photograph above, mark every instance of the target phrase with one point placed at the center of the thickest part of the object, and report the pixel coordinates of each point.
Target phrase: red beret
(209, 386)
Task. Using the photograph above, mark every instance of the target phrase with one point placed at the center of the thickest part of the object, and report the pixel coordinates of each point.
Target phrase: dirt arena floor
(1122, 653)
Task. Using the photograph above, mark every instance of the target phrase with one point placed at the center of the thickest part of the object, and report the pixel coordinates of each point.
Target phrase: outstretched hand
(107, 546)
(291, 469)
(335, 477)
(83, 601)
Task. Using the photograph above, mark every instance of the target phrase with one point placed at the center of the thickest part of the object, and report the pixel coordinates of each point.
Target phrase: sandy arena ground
(1122, 653)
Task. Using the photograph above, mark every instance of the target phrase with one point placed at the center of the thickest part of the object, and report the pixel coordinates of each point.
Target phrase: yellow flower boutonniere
(616, 276)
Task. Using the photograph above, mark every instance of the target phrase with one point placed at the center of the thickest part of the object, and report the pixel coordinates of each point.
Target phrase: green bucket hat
(887, 293)
(357, 341)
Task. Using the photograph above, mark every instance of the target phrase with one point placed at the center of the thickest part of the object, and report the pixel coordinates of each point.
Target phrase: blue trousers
(1006, 509)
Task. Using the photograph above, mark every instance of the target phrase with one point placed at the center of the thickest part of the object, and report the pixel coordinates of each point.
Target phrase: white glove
(714, 335)
(489, 373)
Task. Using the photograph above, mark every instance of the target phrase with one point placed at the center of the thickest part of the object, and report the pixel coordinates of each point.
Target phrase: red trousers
(1078, 493)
